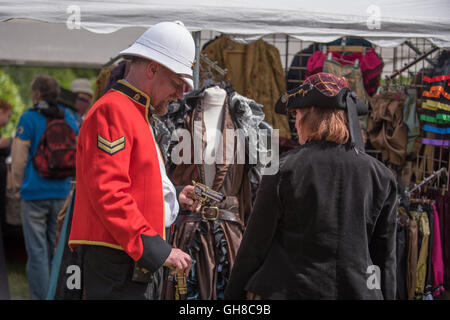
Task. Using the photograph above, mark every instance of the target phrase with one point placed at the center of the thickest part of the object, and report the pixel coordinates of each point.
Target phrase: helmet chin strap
(355, 129)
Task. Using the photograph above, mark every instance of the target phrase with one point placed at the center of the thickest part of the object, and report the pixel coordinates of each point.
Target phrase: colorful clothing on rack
(441, 238)
(370, 64)
(438, 90)
(298, 71)
(255, 71)
(436, 142)
(401, 252)
(436, 106)
(438, 118)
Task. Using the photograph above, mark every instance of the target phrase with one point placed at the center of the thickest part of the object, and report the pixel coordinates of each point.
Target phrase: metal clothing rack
(425, 181)
(111, 61)
(422, 57)
(422, 201)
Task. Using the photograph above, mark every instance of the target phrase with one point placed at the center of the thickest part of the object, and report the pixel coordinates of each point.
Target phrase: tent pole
(197, 35)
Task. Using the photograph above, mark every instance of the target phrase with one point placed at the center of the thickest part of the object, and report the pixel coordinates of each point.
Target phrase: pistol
(205, 194)
(180, 287)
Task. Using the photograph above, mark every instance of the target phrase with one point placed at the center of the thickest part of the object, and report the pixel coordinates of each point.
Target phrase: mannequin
(213, 113)
(212, 236)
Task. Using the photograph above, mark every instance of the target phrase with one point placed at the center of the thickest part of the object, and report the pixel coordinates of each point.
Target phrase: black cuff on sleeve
(178, 189)
(155, 253)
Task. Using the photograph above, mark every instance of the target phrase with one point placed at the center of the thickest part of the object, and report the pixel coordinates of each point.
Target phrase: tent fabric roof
(109, 26)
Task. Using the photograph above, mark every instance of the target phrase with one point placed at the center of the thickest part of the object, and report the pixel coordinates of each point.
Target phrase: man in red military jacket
(120, 206)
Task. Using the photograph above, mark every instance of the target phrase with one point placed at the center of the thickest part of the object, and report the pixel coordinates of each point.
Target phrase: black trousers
(108, 273)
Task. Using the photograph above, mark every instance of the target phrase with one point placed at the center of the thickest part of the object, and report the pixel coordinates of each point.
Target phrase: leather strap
(210, 214)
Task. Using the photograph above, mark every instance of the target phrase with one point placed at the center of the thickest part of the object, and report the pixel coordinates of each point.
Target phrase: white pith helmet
(170, 44)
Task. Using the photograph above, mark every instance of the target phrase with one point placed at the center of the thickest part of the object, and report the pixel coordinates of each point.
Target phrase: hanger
(360, 49)
(111, 61)
(214, 78)
(426, 181)
(423, 200)
(213, 65)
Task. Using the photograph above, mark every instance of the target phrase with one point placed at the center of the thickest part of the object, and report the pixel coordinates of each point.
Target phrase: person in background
(324, 226)
(41, 198)
(82, 88)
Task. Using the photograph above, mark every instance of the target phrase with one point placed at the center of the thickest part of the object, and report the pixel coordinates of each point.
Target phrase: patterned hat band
(324, 90)
(308, 95)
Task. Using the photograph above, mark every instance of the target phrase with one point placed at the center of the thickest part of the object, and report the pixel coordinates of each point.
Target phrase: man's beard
(162, 108)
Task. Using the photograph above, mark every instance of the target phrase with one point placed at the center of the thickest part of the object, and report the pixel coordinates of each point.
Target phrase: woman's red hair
(325, 124)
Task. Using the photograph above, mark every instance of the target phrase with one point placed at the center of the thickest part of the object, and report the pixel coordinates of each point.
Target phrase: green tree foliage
(22, 76)
(9, 91)
(15, 86)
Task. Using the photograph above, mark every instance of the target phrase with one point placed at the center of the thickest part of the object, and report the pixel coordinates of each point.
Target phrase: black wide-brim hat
(325, 90)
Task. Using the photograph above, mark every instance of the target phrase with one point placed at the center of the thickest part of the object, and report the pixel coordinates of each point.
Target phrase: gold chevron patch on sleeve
(110, 147)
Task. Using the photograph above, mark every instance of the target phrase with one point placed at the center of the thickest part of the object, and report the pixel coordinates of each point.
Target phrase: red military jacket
(119, 200)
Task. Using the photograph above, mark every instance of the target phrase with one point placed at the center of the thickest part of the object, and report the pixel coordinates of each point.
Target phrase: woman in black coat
(324, 226)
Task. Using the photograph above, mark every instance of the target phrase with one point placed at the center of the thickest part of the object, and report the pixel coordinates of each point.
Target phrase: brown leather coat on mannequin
(213, 244)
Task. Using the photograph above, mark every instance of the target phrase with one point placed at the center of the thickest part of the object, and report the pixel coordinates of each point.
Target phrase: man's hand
(178, 261)
(187, 200)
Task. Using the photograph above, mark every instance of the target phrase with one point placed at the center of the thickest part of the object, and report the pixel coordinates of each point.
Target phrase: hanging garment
(435, 121)
(424, 230)
(442, 206)
(437, 261)
(370, 64)
(401, 251)
(436, 142)
(435, 116)
(385, 127)
(351, 72)
(411, 265)
(428, 290)
(298, 71)
(437, 93)
(354, 76)
(255, 71)
(437, 99)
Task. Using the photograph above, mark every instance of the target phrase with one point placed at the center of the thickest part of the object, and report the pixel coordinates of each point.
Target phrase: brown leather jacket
(201, 237)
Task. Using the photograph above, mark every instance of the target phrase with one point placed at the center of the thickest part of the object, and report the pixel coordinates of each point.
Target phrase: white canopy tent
(89, 33)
